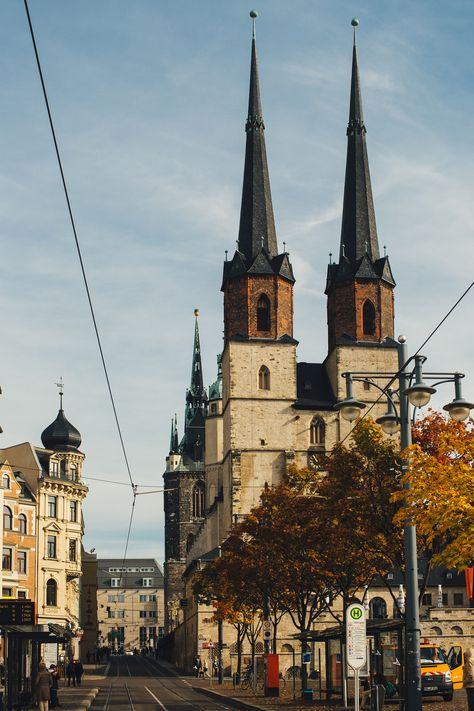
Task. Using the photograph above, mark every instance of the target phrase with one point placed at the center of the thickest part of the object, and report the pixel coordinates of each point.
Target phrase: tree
(440, 499)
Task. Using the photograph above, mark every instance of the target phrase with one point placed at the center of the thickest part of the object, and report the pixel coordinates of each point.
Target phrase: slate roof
(313, 388)
(133, 577)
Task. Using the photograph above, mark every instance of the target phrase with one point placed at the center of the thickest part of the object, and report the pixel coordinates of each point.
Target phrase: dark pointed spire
(196, 389)
(196, 402)
(174, 441)
(257, 224)
(359, 230)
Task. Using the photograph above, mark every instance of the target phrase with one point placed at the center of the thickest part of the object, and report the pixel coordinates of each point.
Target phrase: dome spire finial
(60, 385)
(253, 15)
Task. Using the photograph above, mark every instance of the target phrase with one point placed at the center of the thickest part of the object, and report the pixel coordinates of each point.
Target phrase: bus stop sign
(356, 636)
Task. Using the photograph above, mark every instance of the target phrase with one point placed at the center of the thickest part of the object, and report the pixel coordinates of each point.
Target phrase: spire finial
(253, 15)
(60, 385)
(196, 312)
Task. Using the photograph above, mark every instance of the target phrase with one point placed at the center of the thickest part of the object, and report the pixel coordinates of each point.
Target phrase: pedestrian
(70, 676)
(198, 666)
(78, 671)
(54, 686)
(468, 677)
(205, 668)
(43, 684)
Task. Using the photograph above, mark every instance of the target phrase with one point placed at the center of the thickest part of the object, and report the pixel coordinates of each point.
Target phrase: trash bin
(307, 694)
(377, 697)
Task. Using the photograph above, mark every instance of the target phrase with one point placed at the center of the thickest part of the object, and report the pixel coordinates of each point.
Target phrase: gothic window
(189, 542)
(264, 378)
(198, 500)
(378, 609)
(22, 523)
(51, 593)
(7, 518)
(263, 313)
(6, 481)
(368, 319)
(317, 432)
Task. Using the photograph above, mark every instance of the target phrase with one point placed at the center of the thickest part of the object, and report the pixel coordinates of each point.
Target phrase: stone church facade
(267, 410)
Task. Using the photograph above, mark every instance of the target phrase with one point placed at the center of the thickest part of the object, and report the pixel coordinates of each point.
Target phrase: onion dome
(60, 435)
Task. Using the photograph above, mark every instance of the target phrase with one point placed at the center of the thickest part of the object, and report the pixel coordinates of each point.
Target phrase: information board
(356, 636)
(17, 612)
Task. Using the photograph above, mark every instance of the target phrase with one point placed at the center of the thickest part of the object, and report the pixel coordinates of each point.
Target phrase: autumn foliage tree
(440, 499)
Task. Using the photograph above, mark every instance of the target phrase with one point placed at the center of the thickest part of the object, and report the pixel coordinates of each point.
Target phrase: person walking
(78, 671)
(43, 685)
(70, 676)
(468, 677)
(53, 670)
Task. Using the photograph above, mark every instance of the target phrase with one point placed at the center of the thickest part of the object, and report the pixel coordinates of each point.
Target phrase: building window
(152, 633)
(263, 313)
(51, 546)
(72, 549)
(317, 432)
(142, 613)
(142, 635)
(378, 608)
(7, 518)
(22, 526)
(147, 582)
(6, 481)
(445, 599)
(7, 559)
(198, 499)
(54, 468)
(115, 582)
(427, 599)
(7, 592)
(73, 511)
(62, 468)
(458, 599)
(368, 318)
(73, 472)
(52, 506)
(151, 598)
(264, 378)
(21, 595)
(189, 542)
(21, 562)
(51, 593)
(152, 613)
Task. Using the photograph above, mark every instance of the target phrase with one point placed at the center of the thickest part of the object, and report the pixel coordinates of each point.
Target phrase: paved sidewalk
(79, 698)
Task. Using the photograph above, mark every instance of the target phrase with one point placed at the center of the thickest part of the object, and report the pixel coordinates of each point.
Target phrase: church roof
(61, 435)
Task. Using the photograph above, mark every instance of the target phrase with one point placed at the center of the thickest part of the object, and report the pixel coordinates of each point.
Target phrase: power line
(76, 240)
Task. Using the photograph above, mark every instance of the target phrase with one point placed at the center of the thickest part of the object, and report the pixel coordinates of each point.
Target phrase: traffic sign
(267, 629)
(356, 636)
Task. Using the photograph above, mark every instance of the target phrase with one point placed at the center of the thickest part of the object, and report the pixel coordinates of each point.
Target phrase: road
(136, 683)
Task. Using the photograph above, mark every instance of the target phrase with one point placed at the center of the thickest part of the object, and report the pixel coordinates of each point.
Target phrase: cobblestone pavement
(286, 701)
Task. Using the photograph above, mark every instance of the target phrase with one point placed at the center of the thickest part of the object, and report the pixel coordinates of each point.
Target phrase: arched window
(22, 528)
(198, 499)
(51, 593)
(317, 432)
(73, 472)
(378, 608)
(264, 378)
(368, 319)
(437, 631)
(263, 313)
(457, 630)
(62, 468)
(7, 518)
(189, 542)
(6, 481)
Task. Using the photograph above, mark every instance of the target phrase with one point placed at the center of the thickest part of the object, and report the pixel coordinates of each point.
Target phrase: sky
(149, 101)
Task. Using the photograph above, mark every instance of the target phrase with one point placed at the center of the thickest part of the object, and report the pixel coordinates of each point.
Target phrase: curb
(229, 700)
(84, 704)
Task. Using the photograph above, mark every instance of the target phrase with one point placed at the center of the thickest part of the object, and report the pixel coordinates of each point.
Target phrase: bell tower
(359, 287)
(257, 281)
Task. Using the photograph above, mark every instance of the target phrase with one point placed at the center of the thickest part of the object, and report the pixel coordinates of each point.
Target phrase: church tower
(359, 287)
(259, 357)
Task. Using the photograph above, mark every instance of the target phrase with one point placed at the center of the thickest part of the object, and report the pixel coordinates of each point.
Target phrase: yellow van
(441, 673)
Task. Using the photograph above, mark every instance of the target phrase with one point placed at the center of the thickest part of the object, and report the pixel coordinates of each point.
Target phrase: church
(267, 411)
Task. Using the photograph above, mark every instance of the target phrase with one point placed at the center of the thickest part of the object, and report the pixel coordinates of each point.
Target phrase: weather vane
(60, 385)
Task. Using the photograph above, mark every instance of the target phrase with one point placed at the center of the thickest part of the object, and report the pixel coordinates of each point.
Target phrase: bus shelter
(385, 657)
(22, 651)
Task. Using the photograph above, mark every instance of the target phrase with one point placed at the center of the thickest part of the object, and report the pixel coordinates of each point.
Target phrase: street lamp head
(459, 409)
(389, 422)
(350, 408)
(420, 393)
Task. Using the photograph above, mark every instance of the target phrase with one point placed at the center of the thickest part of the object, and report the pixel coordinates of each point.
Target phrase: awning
(39, 633)
(340, 631)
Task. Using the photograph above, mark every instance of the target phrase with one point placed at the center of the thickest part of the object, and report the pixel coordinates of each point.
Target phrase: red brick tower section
(360, 286)
(257, 281)
(259, 306)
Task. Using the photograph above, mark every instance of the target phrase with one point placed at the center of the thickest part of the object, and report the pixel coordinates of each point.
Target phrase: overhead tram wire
(395, 377)
(73, 225)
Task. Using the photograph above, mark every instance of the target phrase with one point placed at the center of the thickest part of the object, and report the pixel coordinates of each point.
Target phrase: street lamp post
(417, 394)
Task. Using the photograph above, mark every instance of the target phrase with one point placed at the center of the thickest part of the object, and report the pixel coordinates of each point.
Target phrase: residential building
(130, 603)
(88, 600)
